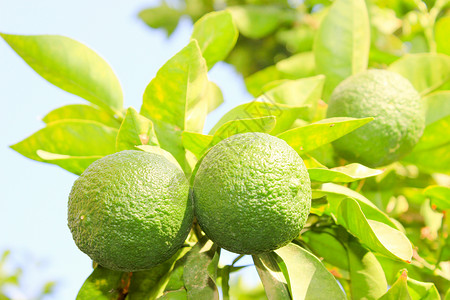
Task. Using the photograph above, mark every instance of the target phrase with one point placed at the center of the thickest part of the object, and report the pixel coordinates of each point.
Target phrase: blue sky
(33, 196)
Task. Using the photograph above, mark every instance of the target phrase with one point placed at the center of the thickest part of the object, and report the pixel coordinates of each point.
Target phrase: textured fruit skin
(252, 193)
(131, 210)
(399, 117)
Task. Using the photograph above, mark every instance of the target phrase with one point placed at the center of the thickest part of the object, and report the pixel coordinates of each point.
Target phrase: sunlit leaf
(135, 130)
(72, 163)
(300, 92)
(196, 143)
(441, 30)
(348, 173)
(294, 67)
(284, 115)
(308, 276)
(438, 106)
(81, 112)
(77, 142)
(375, 235)
(157, 150)
(422, 290)
(216, 34)
(426, 71)
(309, 137)
(105, 284)
(263, 124)
(71, 66)
(327, 244)
(162, 16)
(435, 140)
(367, 279)
(214, 96)
(258, 21)
(174, 99)
(440, 196)
(299, 65)
(198, 283)
(336, 193)
(342, 44)
(399, 290)
(272, 278)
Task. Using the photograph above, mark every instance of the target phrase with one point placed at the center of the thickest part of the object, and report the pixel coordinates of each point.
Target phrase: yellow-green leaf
(342, 44)
(71, 66)
(135, 130)
(216, 35)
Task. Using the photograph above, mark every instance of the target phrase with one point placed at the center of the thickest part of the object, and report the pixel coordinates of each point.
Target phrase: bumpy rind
(399, 117)
(130, 211)
(252, 193)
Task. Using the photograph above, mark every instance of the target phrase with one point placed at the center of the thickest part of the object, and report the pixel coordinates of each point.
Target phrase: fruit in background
(399, 117)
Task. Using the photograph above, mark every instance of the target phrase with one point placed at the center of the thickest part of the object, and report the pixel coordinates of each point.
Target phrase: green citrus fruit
(131, 210)
(398, 111)
(252, 193)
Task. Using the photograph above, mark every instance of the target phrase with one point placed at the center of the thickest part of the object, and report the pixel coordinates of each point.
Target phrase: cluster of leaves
(286, 28)
(369, 229)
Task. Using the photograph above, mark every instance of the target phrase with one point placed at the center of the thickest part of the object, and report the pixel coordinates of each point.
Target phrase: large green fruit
(399, 117)
(252, 193)
(131, 210)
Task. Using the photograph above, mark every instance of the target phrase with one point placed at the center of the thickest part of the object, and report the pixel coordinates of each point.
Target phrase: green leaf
(272, 277)
(375, 235)
(81, 112)
(348, 173)
(422, 290)
(159, 151)
(213, 96)
(256, 22)
(196, 143)
(441, 30)
(174, 295)
(104, 284)
(399, 290)
(71, 66)
(327, 244)
(426, 159)
(71, 144)
(440, 196)
(216, 35)
(300, 92)
(342, 44)
(150, 284)
(263, 124)
(307, 275)
(309, 137)
(174, 99)
(162, 16)
(426, 71)
(367, 279)
(197, 279)
(296, 66)
(435, 141)
(438, 106)
(71, 163)
(225, 275)
(135, 130)
(336, 193)
(285, 115)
